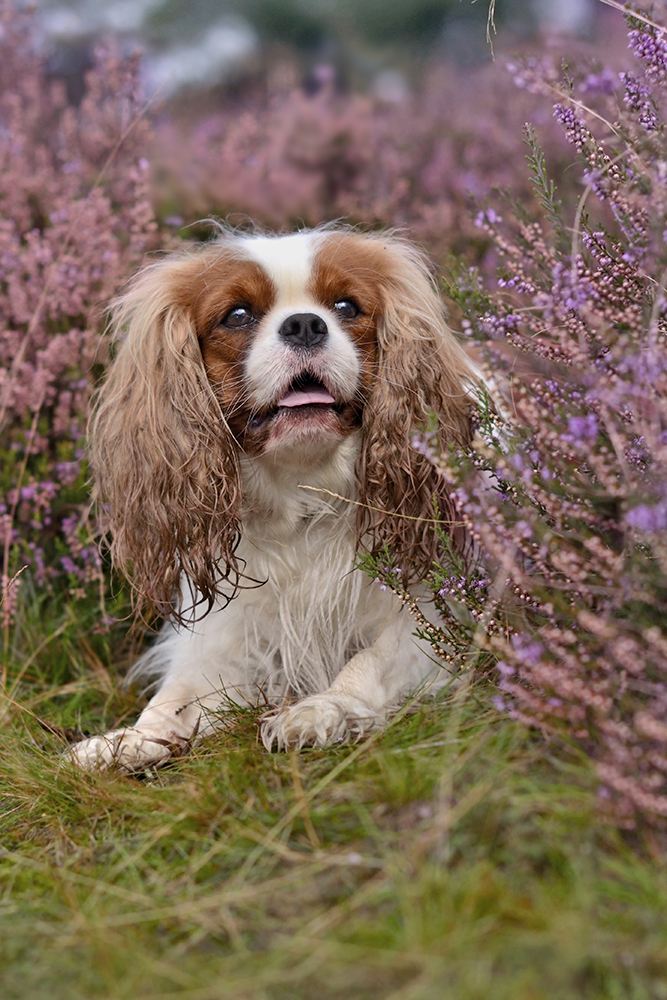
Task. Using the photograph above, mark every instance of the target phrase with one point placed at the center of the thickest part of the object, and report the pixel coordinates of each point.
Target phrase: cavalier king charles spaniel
(252, 438)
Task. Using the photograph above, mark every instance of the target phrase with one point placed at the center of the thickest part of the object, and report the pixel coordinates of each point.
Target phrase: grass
(453, 856)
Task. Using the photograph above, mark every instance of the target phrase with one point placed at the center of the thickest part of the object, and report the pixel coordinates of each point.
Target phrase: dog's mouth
(306, 390)
(306, 401)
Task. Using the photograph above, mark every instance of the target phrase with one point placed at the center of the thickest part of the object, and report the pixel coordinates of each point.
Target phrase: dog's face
(273, 348)
(288, 333)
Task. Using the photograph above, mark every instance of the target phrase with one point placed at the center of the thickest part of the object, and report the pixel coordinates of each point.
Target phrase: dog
(253, 437)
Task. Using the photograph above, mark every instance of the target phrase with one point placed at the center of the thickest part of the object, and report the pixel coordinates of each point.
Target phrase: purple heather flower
(650, 47)
(527, 650)
(576, 130)
(489, 216)
(68, 472)
(599, 83)
(583, 428)
(648, 518)
(638, 100)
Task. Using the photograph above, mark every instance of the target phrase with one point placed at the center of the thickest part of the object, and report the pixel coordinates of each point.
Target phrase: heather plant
(565, 489)
(76, 217)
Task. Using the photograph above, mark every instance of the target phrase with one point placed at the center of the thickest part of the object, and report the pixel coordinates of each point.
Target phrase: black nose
(304, 330)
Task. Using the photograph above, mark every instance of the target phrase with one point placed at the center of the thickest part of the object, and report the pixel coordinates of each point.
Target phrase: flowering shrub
(566, 495)
(76, 216)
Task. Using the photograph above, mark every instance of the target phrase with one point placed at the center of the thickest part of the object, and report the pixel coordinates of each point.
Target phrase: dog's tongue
(309, 394)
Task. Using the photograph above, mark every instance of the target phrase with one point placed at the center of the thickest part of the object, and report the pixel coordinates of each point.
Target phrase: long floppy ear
(165, 464)
(421, 370)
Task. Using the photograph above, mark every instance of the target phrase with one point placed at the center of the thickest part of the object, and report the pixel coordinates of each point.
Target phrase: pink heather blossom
(76, 219)
(572, 503)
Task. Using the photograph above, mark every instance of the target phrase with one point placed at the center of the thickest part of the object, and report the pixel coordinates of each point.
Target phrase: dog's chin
(313, 425)
(310, 428)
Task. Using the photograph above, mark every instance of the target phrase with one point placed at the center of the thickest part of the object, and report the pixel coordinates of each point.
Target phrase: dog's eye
(346, 308)
(238, 317)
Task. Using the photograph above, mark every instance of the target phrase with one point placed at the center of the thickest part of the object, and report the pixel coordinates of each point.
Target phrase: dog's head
(277, 348)
(287, 328)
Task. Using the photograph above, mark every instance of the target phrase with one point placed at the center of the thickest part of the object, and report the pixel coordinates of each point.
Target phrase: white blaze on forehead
(287, 260)
(271, 364)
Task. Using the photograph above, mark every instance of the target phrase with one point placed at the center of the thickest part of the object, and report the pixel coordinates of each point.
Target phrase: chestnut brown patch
(219, 287)
(346, 267)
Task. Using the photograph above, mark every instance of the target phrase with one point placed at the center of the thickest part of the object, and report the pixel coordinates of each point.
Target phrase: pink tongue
(301, 397)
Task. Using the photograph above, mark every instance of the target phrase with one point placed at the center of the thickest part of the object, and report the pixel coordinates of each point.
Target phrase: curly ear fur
(421, 370)
(164, 460)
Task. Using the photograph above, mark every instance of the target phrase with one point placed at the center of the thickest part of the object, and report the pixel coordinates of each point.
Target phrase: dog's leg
(361, 696)
(200, 670)
(165, 729)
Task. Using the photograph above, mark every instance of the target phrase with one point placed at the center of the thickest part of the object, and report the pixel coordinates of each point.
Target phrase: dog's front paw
(318, 721)
(127, 750)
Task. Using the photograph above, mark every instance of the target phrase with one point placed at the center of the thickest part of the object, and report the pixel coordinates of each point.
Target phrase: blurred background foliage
(303, 111)
(208, 42)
